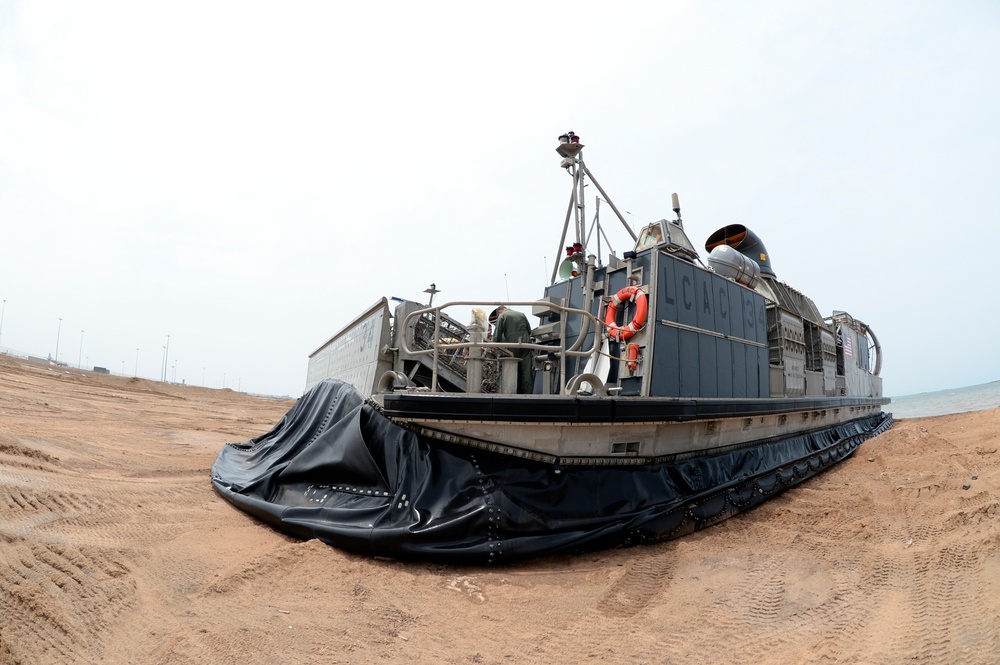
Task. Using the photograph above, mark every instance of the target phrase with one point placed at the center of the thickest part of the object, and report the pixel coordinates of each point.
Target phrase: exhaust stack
(744, 241)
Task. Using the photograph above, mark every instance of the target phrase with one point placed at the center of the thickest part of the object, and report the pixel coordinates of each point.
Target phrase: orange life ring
(633, 293)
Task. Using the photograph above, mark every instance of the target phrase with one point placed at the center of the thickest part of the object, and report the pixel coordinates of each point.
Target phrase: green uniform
(512, 327)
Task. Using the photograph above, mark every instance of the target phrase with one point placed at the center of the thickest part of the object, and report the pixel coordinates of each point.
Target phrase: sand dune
(114, 548)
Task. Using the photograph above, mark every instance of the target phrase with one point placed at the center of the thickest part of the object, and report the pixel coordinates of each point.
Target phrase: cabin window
(650, 236)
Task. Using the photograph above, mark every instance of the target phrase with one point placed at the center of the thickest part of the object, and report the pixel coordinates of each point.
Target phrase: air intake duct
(745, 242)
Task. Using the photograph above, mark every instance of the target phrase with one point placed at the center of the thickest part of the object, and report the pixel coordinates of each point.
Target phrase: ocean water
(955, 400)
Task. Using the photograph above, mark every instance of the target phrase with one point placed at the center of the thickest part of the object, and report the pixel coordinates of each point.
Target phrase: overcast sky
(248, 177)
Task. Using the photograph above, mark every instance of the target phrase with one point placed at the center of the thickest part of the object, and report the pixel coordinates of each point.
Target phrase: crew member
(512, 327)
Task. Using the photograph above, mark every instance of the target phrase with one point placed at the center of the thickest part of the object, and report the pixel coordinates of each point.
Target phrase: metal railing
(561, 350)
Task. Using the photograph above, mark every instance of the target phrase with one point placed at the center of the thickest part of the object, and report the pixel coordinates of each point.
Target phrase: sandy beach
(114, 548)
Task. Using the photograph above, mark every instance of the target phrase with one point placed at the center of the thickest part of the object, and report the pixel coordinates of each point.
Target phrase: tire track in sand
(68, 552)
(604, 631)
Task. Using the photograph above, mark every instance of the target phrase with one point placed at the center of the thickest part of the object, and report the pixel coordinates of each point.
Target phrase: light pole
(79, 360)
(136, 373)
(166, 356)
(123, 368)
(203, 376)
(2, 312)
(58, 332)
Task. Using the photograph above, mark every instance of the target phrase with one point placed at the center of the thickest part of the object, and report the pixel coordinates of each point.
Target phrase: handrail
(562, 350)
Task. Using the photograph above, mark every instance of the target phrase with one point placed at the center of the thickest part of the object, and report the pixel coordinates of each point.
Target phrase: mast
(571, 150)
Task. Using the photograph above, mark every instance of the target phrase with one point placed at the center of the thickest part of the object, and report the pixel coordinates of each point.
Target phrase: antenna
(677, 209)
(432, 290)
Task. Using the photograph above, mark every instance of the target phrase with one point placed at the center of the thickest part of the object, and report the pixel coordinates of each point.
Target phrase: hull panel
(569, 430)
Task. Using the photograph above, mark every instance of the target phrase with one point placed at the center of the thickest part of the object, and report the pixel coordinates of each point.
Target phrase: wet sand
(114, 548)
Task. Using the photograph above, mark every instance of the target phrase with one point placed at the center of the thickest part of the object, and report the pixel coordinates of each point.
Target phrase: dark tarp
(336, 469)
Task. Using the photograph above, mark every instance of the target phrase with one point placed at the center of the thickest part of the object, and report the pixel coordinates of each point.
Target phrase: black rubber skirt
(336, 469)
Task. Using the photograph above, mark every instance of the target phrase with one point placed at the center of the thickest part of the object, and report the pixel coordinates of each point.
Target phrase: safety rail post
(474, 368)
(509, 369)
(562, 356)
(437, 355)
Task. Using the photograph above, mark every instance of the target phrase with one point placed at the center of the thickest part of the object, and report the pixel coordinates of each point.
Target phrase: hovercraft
(668, 394)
